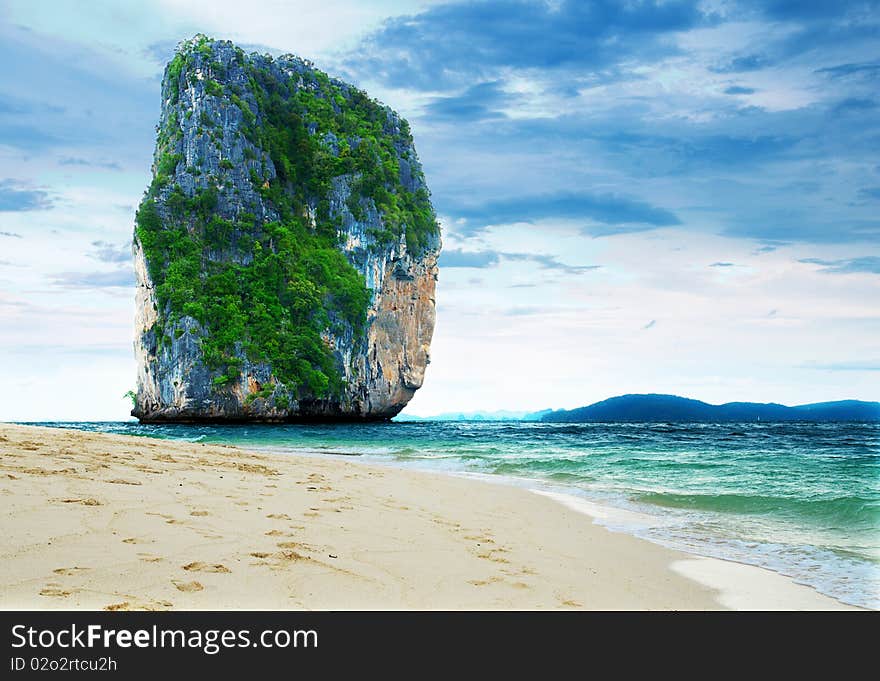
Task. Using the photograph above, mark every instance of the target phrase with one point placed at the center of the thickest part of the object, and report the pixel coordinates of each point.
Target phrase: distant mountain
(503, 415)
(673, 408)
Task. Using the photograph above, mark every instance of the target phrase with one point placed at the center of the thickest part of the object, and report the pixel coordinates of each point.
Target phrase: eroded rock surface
(219, 207)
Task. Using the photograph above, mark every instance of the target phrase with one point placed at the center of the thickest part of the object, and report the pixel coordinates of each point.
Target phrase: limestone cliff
(285, 251)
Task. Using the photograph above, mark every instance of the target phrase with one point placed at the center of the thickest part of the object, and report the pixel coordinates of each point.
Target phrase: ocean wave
(843, 511)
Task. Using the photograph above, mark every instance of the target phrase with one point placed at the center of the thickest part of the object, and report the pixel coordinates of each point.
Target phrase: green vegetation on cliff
(269, 291)
(275, 308)
(305, 163)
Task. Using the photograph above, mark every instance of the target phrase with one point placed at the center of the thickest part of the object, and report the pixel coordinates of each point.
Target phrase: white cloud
(305, 28)
(714, 339)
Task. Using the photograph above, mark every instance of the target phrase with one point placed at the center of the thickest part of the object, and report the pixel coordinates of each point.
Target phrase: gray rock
(382, 364)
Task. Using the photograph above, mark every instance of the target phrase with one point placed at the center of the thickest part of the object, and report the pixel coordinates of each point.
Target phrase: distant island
(673, 408)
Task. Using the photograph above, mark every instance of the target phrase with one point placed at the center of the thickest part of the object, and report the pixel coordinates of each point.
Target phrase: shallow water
(799, 498)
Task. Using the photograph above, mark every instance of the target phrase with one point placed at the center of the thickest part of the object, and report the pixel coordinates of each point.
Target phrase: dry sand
(95, 521)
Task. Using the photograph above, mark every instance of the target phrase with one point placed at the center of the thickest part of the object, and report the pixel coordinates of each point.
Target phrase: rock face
(286, 250)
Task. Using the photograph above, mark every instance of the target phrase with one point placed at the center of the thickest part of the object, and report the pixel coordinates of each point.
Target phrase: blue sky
(671, 197)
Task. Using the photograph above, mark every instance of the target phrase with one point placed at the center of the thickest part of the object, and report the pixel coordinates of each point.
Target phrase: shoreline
(719, 572)
(739, 585)
(101, 521)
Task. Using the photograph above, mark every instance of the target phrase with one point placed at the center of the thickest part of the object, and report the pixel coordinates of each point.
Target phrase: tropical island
(285, 250)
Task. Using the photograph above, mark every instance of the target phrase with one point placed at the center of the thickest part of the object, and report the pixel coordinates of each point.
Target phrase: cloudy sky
(675, 196)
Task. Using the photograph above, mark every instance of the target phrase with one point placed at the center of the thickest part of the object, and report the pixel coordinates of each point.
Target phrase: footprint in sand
(480, 539)
(295, 545)
(68, 571)
(137, 605)
(493, 556)
(187, 586)
(151, 559)
(485, 582)
(200, 513)
(291, 556)
(55, 591)
(278, 516)
(198, 566)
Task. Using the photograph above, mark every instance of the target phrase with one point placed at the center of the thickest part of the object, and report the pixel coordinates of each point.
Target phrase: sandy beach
(114, 522)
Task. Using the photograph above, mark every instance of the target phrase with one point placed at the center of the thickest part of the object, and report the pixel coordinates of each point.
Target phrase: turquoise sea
(800, 498)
